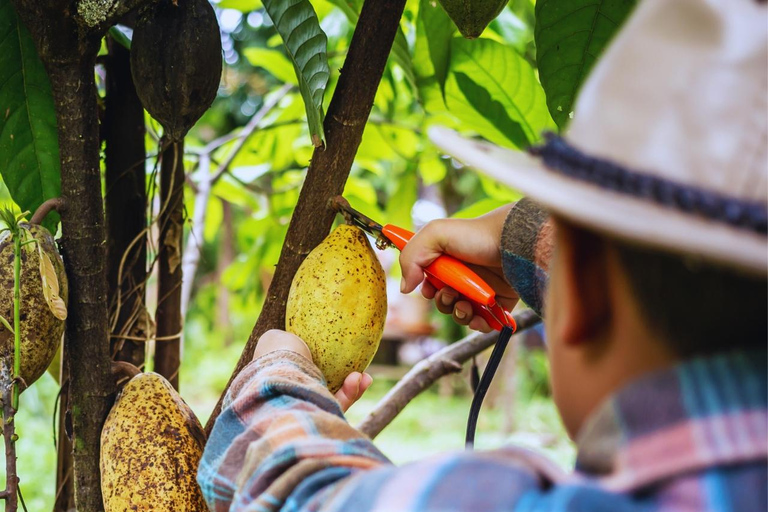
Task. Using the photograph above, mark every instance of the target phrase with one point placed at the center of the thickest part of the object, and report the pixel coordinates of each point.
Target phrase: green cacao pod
(44, 293)
(471, 16)
(176, 62)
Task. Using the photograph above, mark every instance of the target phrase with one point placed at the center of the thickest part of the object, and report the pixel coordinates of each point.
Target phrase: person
(642, 241)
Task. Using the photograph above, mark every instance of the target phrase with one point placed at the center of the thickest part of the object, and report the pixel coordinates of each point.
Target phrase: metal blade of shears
(363, 222)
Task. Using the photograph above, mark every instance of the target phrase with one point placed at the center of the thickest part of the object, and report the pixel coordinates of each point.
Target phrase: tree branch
(428, 371)
(11, 492)
(203, 192)
(344, 124)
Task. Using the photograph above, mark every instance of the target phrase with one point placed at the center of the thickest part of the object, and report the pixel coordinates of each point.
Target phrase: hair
(698, 309)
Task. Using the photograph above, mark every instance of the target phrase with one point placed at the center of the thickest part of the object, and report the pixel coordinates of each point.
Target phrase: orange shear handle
(448, 271)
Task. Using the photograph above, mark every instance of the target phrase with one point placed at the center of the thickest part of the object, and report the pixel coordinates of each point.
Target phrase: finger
(445, 298)
(350, 390)
(462, 312)
(427, 290)
(425, 246)
(478, 323)
(365, 383)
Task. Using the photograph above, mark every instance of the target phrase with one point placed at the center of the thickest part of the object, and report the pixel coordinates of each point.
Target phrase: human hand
(353, 388)
(354, 385)
(475, 242)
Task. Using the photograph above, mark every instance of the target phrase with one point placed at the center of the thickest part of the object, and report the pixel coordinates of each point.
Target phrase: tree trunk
(126, 208)
(65, 488)
(171, 222)
(83, 243)
(344, 124)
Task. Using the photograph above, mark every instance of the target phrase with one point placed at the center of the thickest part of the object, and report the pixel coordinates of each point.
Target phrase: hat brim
(614, 214)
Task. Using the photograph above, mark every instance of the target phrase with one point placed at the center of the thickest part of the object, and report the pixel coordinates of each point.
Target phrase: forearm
(280, 427)
(526, 250)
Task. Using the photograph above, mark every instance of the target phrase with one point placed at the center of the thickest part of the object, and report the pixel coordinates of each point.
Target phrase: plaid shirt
(693, 437)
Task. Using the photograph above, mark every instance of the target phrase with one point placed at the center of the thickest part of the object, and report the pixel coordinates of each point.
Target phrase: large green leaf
(29, 146)
(570, 36)
(431, 53)
(307, 46)
(494, 91)
(400, 53)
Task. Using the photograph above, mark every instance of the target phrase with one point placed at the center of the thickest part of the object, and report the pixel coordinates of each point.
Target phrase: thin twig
(191, 257)
(428, 371)
(10, 494)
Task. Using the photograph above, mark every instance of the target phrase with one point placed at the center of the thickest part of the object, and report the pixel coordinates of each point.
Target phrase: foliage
(305, 43)
(490, 87)
(29, 149)
(570, 36)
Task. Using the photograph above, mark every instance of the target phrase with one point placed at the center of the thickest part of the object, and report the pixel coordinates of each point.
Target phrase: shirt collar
(702, 413)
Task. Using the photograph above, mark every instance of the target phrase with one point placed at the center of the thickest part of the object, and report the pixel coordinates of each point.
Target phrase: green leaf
(400, 54)
(274, 61)
(479, 208)
(570, 35)
(494, 91)
(431, 53)
(240, 5)
(307, 46)
(29, 145)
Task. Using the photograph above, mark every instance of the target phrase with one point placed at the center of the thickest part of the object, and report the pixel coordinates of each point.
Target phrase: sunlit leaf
(401, 55)
(431, 168)
(240, 5)
(570, 36)
(494, 91)
(431, 53)
(29, 145)
(214, 215)
(401, 201)
(306, 43)
(274, 61)
(481, 207)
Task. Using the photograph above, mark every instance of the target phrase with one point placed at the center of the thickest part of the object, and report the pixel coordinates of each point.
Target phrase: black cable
(485, 383)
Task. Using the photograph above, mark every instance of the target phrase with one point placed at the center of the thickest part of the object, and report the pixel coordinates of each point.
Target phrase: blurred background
(236, 223)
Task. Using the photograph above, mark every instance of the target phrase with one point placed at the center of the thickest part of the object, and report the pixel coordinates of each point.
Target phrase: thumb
(419, 252)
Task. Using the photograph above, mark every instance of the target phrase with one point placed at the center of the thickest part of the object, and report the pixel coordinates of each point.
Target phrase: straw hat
(668, 143)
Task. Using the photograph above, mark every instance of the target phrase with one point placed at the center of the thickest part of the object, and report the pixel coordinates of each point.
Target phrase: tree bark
(429, 370)
(344, 124)
(171, 222)
(65, 488)
(126, 208)
(68, 51)
(83, 244)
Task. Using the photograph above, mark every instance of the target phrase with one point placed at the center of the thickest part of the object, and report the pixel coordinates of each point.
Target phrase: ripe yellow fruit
(151, 445)
(338, 304)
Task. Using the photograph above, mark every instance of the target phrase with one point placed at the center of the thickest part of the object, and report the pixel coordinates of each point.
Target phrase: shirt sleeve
(526, 249)
(282, 444)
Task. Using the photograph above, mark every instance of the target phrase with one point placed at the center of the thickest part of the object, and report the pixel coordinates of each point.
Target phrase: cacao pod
(470, 16)
(151, 445)
(44, 292)
(176, 62)
(338, 304)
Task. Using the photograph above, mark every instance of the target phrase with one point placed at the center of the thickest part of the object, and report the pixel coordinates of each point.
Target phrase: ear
(584, 284)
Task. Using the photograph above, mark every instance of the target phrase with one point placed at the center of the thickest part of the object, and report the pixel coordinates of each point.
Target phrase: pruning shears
(444, 271)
